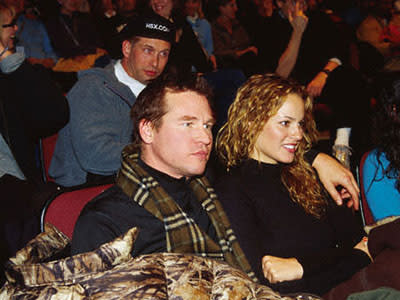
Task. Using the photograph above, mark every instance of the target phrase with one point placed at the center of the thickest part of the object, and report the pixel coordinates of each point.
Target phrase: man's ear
(146, 130)
(126, 48)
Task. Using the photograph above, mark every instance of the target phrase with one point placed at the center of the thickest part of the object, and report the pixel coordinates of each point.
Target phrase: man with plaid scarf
(160, 188)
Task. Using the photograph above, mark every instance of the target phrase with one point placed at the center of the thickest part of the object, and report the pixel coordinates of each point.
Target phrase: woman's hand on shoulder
(333, 174)
(278, 269)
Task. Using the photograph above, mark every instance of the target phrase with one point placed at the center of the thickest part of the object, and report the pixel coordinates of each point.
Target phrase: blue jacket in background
(99, 128)
(380, 190)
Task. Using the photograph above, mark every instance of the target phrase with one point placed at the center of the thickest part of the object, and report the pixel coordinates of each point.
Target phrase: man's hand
(278, 269)
(315, 87)
(297, 18)
(333, 174)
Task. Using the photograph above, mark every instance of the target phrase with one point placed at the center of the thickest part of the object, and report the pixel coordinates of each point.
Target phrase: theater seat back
(64, 208)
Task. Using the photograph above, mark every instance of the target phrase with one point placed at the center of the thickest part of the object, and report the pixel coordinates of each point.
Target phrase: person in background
(32, 36)
(371, 29)
(232, 45)
(202, 28)
(295, 237)
(74, 36)
(187, 53)
(381, 168)
(31, 108)
(88, 148)
(112, 19)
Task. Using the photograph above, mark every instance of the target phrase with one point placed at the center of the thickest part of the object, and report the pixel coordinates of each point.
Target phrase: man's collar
(161, 175)
(122, 76)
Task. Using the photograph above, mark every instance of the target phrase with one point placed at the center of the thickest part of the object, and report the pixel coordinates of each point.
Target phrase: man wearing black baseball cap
(88, 148)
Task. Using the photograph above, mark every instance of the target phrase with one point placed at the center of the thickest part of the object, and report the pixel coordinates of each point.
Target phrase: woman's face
(8, 29)
(281, 134)
(192, 7)
(229, 10)
(162, 7)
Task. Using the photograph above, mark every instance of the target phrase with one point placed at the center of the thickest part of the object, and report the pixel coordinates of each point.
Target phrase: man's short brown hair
(150, 105)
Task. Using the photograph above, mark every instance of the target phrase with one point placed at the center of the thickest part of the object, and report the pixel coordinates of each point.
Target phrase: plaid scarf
(183, 235)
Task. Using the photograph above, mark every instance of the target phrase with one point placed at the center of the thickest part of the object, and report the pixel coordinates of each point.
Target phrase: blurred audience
(233, 47)
(74, 36)
(201, 27)
(32, 36)
(113, 17)
(371, 28)
(187, 52)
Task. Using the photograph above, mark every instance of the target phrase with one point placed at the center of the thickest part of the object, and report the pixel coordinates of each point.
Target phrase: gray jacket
(99, 128)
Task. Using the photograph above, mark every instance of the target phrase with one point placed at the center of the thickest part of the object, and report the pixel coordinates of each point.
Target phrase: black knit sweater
(267, 222)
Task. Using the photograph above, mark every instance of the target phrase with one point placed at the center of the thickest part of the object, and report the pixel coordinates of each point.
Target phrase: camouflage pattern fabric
(110, 272)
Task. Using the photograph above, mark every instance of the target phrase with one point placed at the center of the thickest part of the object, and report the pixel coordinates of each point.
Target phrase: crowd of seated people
(116, 55)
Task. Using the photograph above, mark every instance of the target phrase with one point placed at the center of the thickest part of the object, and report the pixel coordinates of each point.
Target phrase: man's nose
(204, 136)
(155, 60)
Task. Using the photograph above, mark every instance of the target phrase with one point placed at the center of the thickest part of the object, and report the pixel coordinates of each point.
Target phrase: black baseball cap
(149, 25)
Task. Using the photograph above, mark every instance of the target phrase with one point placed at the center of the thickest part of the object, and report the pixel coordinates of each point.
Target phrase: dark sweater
(267, 222)
(113, 213)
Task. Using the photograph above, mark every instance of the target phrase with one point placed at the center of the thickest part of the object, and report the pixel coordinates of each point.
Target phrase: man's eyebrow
(188, 118)
(154, 48)
(193, 118)
(148, 46)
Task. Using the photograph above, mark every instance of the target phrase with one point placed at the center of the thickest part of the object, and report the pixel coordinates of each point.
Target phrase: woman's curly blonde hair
(256, 102)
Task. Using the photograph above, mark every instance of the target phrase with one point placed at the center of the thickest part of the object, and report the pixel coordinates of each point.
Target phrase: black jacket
(31, 107)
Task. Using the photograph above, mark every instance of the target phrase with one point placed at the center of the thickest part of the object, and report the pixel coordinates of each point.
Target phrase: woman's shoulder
(249, 175)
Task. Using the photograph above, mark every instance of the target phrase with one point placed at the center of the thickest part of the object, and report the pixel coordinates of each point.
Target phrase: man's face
(145, 59)
(8, 30)
(181, 146)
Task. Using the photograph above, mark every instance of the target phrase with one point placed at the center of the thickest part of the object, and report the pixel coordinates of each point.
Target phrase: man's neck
(135, 86)
(160, 174)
